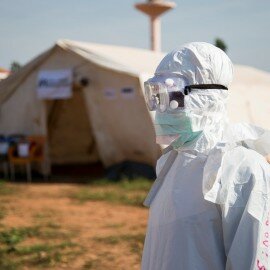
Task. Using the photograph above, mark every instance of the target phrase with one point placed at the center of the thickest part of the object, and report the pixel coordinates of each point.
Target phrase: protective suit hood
(200, 63)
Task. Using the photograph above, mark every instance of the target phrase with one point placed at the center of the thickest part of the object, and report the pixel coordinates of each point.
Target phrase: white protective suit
(209, 206)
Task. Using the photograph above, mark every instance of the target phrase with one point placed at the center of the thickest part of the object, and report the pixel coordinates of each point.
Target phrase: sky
(28, 27)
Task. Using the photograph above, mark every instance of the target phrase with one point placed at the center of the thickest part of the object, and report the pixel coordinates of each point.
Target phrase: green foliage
(15, 66)
(221, 44)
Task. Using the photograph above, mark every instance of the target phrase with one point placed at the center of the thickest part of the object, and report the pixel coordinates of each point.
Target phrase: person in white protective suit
(209, 206)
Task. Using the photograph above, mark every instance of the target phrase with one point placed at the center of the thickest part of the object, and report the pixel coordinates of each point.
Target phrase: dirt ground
(70, 234)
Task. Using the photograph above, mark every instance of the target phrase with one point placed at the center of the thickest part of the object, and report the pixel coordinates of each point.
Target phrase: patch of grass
(14, 236)
(114, 225)
(135, 241)
(2, 212)
(101, 182)
(15, 250)
(111, 239)
(123, 192)
(46, 255)
(50, 234)
(52, 230)
(44, 259)
(49, 228)
(26, 250)
(45, 213)
(53, 225)
(6, 189)
(100, 262)
(91, 264)
(113, 196)
(9, 239)
(8, 264)
(138, 184)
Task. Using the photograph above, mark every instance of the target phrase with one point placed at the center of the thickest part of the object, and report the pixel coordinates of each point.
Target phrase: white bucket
(23, 149)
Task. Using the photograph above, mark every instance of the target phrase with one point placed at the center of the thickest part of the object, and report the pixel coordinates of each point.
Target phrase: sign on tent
(54, 84)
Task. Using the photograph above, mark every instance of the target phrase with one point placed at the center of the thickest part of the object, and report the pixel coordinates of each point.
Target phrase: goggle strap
(203, 86)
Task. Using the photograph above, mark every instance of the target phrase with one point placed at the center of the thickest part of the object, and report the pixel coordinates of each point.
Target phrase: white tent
(102, 121)
(250, 96)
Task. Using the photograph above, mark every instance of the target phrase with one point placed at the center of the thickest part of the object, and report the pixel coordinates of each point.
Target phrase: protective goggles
(169, 93)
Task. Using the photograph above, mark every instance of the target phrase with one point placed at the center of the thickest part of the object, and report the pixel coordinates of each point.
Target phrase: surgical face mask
(175, 128)
(168, 94)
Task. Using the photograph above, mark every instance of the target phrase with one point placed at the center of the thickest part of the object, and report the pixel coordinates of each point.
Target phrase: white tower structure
(154, 9)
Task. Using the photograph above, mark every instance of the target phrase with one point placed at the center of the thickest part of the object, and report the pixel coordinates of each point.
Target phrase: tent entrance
(70, 136)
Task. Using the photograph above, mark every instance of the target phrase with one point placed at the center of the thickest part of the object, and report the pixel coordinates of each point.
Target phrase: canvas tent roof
(135, 62)
(125, 59)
